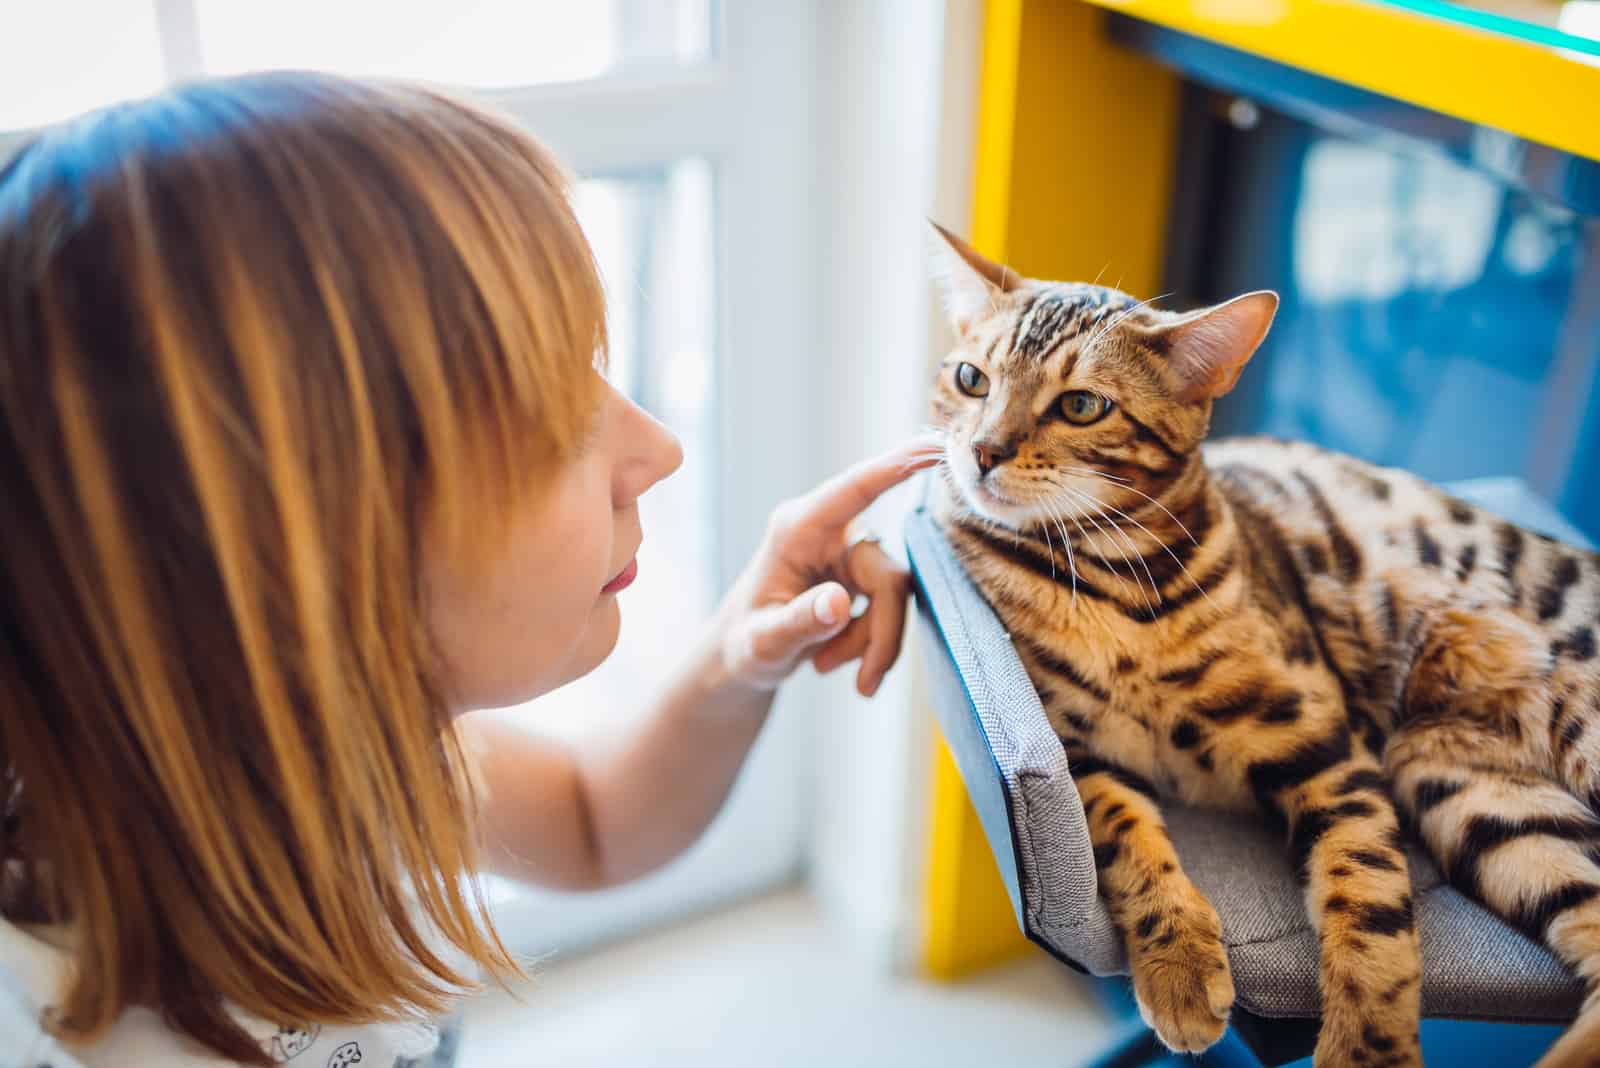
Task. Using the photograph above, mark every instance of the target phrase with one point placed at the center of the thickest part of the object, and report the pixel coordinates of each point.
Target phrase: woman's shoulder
(33, 967)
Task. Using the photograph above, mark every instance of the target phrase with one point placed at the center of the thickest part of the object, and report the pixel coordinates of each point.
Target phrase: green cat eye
(1080, 407)
(973, 382)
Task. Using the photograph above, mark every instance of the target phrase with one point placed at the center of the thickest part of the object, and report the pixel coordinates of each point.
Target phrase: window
(686, 123)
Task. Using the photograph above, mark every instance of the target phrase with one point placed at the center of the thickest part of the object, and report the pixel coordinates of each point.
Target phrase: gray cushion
(1474, 966)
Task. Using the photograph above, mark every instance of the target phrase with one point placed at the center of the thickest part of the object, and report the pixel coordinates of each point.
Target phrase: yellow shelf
(1535, 91)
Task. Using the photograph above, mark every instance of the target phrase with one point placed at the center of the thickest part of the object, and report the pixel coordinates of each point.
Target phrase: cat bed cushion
(1474, 966)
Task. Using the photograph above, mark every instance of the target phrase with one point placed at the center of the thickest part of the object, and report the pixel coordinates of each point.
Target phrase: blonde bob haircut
(256, 337)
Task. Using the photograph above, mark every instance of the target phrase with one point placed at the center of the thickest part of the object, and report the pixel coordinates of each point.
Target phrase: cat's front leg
(1173, 936)
(1346, 844)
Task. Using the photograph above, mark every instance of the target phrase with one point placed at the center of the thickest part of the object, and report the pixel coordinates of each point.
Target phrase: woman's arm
(579, 820)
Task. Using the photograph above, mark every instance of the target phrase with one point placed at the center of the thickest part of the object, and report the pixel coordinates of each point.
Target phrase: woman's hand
(793, 601)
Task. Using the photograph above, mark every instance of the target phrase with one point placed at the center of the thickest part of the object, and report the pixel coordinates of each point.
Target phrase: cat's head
(1066, 398)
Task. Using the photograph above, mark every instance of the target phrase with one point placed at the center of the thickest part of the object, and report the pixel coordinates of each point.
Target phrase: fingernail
(824, 610)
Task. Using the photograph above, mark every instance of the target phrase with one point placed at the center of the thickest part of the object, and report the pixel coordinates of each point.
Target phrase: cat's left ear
(971, 282)
(1207, 349)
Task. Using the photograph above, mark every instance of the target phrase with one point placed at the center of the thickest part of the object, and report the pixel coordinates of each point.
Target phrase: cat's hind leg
(1514, 840)
(1344, 835)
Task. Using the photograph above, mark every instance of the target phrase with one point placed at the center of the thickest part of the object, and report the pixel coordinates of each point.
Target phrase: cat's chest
(1129, 704)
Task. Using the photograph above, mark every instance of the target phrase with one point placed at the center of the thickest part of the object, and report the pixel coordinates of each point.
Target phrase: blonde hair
(256, 335)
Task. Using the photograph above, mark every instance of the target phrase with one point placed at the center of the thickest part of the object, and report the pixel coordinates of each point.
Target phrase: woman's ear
(971, 283)
(1206, 350)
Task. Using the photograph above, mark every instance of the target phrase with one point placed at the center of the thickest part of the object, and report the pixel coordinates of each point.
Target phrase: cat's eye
(1080, 407)
(973, 382)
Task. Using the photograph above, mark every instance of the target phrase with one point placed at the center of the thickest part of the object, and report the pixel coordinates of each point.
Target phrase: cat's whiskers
(1066, 542)
(1164, 546)
(1078, 497)
(1117, 319)
(1121, 483)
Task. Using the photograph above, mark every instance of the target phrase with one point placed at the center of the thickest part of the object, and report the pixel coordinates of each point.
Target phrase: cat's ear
(1207, 349)
(971, 283)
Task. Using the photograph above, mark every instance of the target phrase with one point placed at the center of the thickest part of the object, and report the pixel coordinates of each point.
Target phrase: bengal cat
(1270, 626)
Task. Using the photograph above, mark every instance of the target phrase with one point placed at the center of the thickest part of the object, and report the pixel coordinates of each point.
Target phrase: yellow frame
(1070, 190)
(1075, 146)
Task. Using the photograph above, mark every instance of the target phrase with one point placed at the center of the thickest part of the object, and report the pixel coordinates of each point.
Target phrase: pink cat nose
(990, 453)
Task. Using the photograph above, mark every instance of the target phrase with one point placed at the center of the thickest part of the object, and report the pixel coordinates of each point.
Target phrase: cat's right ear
(971, 283)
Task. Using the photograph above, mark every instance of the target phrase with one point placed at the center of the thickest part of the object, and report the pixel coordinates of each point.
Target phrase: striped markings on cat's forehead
(1052, 315)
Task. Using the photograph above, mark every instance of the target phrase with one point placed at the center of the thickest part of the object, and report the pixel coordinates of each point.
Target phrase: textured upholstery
(1474, 966)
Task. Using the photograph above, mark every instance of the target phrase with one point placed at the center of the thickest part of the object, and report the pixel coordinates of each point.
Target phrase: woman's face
(547, 612)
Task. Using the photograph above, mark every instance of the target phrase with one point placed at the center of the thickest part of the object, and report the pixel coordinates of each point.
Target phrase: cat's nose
(990, 453)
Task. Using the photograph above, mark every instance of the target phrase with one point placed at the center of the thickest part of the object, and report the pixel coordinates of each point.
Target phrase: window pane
(476, 43)
(66, 56)
(652, 233)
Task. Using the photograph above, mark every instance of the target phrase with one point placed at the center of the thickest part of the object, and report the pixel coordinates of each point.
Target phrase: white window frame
(749, 112)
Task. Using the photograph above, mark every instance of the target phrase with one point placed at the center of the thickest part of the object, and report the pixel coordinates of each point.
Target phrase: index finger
(849, 493)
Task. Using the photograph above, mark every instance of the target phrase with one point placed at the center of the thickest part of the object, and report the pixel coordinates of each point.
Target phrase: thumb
(779, 634)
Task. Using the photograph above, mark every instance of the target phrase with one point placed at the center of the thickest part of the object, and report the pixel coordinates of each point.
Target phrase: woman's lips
(624, 579)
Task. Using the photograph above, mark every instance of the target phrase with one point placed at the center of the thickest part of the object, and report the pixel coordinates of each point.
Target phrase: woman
(305, 453)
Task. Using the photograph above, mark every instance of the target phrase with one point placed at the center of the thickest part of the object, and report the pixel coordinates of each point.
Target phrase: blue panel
(1440, 281)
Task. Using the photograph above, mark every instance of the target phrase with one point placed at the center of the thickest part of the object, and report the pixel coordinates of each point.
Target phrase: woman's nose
(654, 454)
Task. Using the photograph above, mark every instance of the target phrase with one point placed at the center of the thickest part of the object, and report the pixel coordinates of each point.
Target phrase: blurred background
(755, 176)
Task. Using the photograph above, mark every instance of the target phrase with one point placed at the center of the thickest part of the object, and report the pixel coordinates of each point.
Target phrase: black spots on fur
(1315, 557)
(1484, 833)
(1346, 557)
(1552, 596)
(1511, 544)
(1115, 810)
(1282, 709)
(1355, 808)
(1193, 673)
(1309, 827)
(1166, 938)
(1229, 705)
(1167, 867)
(1338, 871)
(1269, 778)
(1186, 734)
(1360, 779)
(1388, 614)
(1300, 646)
(1090, 805)
(1126, 665)
(1428, 552)
(1106, 854)
(1395, 839)
(1367, 731)
(1569, 737)
(1377, 1040)
(1147, 925)
(1079, 722)
(1084, 766)
(1059, 666)
(1127, 824)
(1385, 919)
(1579, 645)
(1371, 858)
(1204, 761)
(1466, 561)
(1534, 916)
(1336, 903)
(1398, 987)
(1147, 884)
(1460, 511)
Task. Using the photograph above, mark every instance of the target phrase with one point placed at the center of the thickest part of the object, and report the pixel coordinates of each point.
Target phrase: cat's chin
(997, 508)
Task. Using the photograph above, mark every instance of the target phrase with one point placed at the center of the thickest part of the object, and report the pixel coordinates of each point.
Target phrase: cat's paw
(1181, 978)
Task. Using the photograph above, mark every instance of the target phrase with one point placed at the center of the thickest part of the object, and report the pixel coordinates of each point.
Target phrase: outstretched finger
(849, 493)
